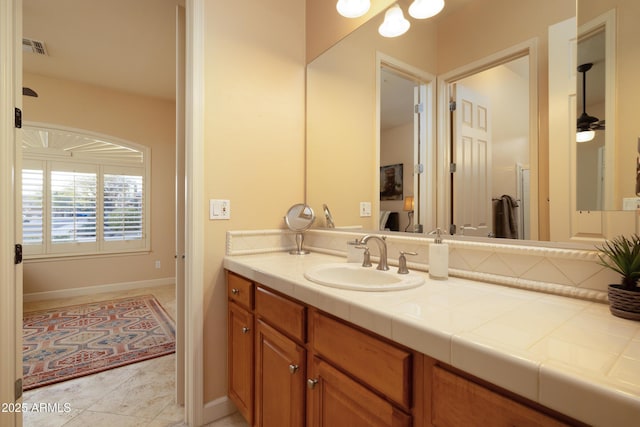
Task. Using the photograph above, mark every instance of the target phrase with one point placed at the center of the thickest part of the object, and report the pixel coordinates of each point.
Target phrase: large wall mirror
(347, 144)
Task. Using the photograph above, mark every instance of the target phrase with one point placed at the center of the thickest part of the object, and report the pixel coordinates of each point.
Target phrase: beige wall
(254, 139)
(325, 26)
(139, 119)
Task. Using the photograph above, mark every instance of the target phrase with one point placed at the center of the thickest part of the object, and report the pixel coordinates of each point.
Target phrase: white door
(471, 183)
(10, 223)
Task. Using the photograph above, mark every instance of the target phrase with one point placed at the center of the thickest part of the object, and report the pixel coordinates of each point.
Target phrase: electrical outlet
(365, 209)
(630, 203)
(158, 264)
(219, 209)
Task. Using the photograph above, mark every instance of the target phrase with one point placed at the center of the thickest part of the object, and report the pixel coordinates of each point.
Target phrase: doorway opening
(173, 299)
(489, 144)
(406, 148)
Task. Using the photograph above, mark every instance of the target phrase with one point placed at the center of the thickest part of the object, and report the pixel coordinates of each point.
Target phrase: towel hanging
(504, 217)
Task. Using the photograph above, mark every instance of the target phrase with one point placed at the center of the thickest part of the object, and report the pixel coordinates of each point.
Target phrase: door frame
(527, 48)
(10, 227)
(11, 296)
(194, 213)
(427, 136)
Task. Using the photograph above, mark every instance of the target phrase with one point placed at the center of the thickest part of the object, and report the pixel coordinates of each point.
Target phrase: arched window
(83, 193)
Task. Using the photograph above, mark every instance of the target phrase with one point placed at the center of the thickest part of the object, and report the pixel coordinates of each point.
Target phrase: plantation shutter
(123, 197)
(33, 206)
(83, 193)
(73, 206)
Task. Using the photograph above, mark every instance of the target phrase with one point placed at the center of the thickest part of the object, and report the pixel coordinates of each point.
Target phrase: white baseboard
(91, 290)
(218, 408)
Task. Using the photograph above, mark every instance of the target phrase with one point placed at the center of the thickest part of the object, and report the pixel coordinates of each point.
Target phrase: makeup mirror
(299, 218)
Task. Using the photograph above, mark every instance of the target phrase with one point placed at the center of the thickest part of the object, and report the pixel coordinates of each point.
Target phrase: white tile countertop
(567, 354)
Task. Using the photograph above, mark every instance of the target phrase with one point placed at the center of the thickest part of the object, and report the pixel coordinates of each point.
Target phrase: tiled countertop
(567, 354)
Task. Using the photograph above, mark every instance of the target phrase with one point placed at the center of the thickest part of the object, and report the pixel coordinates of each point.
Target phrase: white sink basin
(355, 277)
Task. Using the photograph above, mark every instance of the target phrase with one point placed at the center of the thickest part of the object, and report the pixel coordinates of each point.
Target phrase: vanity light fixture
(353, 8)
(587, 125)
(394, 24)
(423, 9)
(409, 207)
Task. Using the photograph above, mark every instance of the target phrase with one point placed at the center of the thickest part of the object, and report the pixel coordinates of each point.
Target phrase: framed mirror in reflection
(345, 113)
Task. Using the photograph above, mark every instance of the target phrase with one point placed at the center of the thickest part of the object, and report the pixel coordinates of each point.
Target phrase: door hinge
(418, 168)
(452, 105)
(18, 118)
(18, 388)
(17, 259)
(452, 168)
(418, 108)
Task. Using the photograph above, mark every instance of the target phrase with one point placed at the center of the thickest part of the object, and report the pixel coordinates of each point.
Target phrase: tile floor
(141, 394)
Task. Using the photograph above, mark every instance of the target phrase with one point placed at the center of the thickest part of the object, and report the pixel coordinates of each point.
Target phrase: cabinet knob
(235, 291)
(293, 368)
(311, 383)
(245, 330)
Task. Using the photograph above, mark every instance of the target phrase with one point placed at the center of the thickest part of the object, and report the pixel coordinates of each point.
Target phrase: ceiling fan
(27, 91)
(587, 125)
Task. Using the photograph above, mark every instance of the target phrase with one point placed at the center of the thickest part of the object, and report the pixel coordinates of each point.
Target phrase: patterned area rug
(70, 342)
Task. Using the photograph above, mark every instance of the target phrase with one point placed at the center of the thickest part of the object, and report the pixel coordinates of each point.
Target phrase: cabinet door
(280, 379)
(336, 400)
(460, 402)
(240, 355)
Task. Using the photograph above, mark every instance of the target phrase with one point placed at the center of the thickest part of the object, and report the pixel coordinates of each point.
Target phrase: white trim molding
(194, 233)
(92, 290)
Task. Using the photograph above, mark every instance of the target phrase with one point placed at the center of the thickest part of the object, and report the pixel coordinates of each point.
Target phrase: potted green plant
(622, 255)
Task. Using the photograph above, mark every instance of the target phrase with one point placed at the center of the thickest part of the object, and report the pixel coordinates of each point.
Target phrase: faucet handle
(366, 258)
(402, 262)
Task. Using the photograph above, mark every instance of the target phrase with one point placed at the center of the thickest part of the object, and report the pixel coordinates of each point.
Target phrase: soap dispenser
(438, 258)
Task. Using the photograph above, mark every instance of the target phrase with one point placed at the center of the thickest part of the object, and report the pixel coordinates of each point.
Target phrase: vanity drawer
(240, 290)
(381, 365)
(282, 313)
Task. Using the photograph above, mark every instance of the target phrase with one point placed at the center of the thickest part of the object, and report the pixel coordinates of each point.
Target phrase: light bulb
(422, 9)
(395, 24)
(353, 8)
(585, 135)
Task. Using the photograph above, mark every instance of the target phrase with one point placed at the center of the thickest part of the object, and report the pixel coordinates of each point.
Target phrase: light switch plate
(219, 209)
(365, 209)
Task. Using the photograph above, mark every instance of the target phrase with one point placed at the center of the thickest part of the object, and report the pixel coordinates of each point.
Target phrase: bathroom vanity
(445, 353)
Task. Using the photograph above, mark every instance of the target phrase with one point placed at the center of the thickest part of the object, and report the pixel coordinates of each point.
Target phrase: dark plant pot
(623, 303)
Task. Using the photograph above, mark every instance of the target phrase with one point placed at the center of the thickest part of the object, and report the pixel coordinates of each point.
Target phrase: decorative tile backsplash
(569, 272)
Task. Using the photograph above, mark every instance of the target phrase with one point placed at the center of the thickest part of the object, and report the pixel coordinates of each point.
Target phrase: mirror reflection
(590, 133)
(490, 151)
(545, 189)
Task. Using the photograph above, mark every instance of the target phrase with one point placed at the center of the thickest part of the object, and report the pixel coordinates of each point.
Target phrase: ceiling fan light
(353, 8)
(423, 9)
(585, 135)
(394, 24)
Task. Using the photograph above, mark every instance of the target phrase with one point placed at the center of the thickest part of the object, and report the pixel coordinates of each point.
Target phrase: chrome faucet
(382, 245)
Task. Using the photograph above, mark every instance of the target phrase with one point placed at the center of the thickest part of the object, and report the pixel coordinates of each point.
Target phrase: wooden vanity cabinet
(240, 344)
(291, 365)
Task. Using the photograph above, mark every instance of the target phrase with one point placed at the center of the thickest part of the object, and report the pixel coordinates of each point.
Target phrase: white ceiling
(127, 45)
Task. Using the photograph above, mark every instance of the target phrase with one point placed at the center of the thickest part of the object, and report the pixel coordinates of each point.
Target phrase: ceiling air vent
(34, 46)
